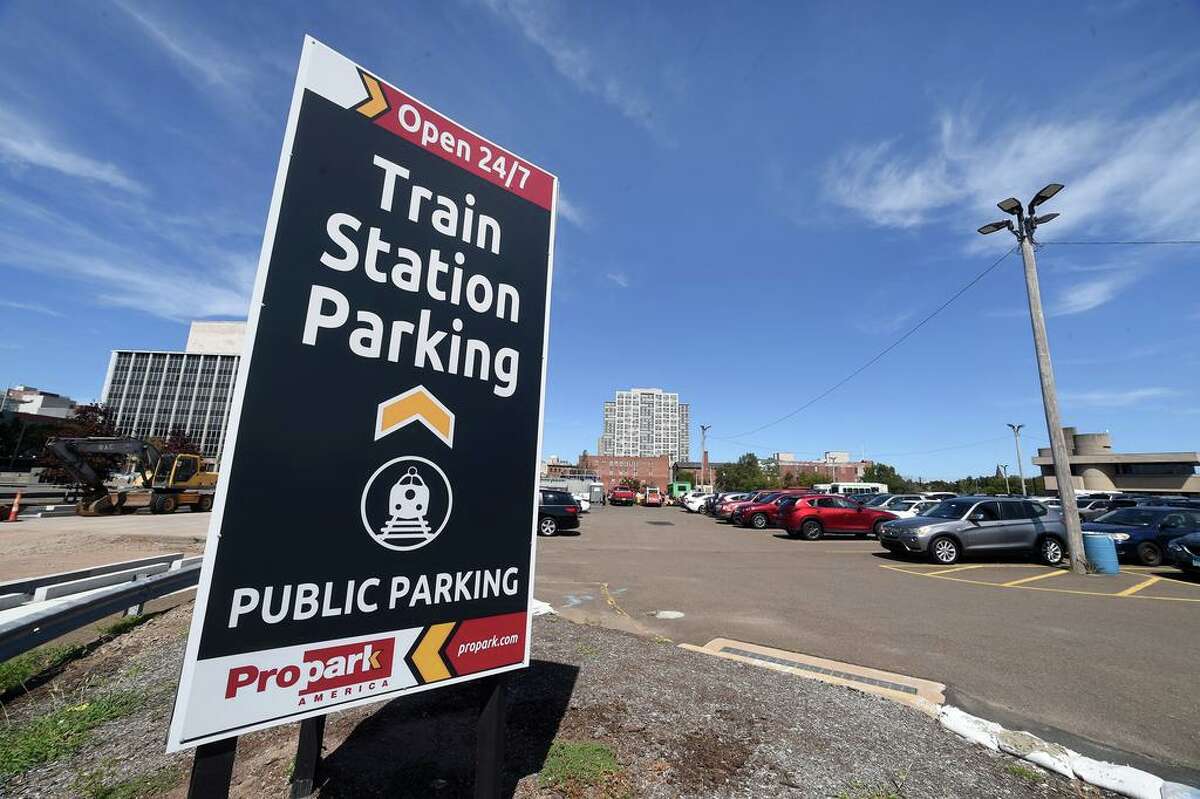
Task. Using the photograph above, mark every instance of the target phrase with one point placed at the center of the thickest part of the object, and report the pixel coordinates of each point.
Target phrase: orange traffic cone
(16, 508)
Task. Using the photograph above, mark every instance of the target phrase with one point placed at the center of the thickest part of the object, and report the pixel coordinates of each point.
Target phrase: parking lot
(1100, 663)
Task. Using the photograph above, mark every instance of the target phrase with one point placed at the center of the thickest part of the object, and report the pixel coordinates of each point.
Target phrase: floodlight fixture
(994, 226)
(1010, 206)
(1038, 220)
(1043, 195)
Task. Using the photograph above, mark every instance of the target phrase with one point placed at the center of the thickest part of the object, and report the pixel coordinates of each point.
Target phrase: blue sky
(756, 200)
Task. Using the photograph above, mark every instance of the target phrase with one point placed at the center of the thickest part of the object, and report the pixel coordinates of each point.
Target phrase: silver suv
(979, 524)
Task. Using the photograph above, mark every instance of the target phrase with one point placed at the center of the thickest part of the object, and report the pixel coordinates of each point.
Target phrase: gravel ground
(681, 724)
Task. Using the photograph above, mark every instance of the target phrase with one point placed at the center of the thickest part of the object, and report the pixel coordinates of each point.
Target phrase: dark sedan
(1184, 553)
(1143, 533)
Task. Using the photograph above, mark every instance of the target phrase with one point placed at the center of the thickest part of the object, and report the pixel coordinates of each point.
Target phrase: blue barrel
(1101, 553)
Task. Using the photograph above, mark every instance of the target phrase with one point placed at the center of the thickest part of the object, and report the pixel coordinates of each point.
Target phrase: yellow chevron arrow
(415, 405)
(376, 103)
(427, 658)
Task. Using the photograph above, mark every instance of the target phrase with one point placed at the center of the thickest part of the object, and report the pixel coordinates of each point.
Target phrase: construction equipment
(164, 482)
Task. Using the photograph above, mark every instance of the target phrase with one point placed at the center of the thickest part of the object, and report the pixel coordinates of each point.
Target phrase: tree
(686, 476)
(632, 483)
(883, 473)
(177, 441)
(744, 475)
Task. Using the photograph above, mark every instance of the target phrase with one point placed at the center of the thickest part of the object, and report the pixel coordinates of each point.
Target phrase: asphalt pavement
(1103, 664)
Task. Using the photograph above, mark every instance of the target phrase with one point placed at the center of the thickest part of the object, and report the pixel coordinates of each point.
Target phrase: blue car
(1184, 553)
(1144, 532)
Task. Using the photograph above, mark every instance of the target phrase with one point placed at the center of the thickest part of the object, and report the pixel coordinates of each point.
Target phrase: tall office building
(646, 422)
(152, 392)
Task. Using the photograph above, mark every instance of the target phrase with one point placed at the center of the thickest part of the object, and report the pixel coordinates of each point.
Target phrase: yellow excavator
(165, 481)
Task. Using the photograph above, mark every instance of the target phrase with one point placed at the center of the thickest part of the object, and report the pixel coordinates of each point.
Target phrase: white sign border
(175, 741)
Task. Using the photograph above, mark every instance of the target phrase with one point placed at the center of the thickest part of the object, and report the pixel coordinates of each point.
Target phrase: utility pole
(704, 428)
(1027, 223)
(1016, 428)
(1003, 467)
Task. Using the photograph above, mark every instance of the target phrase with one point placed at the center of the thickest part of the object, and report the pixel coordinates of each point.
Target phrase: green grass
(17, 671)
(574, 765)
(32, 742)
(123, 625)
(94, 785)
(1024, 772)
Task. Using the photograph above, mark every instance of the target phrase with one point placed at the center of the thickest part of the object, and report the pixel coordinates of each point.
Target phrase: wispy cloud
(25, 143)
(1150, 161)
(573, 213)
(620, 278)
(1089, 294)
(1116, 398)
(577, 63)
(31, 307)
(199, 58)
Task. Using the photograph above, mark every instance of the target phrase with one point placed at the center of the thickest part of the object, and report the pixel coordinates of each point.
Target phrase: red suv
(814, 516)
(621, 496)
(764, 514)
(726, 509)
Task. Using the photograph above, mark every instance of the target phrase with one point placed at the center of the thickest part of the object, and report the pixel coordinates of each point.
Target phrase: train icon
(406, 503)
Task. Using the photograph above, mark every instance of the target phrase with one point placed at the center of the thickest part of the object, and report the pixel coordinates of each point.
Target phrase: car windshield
(878, 499)
(1137, 517)
(906, 505)
(950, 509)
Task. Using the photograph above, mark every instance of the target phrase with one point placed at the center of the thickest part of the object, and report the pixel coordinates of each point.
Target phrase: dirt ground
(676, 724)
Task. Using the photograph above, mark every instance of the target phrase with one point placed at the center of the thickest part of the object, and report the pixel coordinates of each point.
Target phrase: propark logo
(332, 672)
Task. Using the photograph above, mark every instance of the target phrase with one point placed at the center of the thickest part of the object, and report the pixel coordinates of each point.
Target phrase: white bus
(852, 488)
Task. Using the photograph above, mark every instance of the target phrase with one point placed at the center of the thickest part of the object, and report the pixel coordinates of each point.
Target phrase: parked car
(694, 502)
(811, 517)
(769, 512)
(939, 495)
(727, 510)
(557, 510)
(1144, 533)
(715, 502)
(652, 498)
(877, 499)
(896, 500)
(620, 495)
(979, 524)
(1184, 553)
(912, 507)
(584, 503)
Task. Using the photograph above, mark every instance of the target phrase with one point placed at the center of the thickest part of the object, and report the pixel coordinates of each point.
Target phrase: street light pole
(1024, 230)
(1004, 471)
(1016, 428)
(704, 428)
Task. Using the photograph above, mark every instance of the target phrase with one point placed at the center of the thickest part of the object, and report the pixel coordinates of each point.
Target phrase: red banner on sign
(487, 643)
(413, 120)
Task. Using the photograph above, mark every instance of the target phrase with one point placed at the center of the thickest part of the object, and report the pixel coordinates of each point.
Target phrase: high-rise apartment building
(646, 422)
(152, 392)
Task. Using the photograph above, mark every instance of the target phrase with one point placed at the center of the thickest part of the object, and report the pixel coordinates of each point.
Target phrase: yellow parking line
(1024, 580)
(955, 569)
(1037, 588)
(1135, 588)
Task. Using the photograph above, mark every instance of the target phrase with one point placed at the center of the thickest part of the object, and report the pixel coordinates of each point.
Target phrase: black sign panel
(373, 530)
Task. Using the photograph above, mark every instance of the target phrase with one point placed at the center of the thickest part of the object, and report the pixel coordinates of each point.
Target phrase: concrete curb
(1125, 780)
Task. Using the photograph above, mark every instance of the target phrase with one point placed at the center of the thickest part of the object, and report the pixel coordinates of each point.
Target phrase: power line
(1110, 243)
(881, 353)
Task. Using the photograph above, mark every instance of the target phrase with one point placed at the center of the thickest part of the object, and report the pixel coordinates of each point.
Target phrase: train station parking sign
(373, 532)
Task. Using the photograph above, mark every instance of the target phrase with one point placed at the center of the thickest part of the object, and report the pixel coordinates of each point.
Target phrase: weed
(30, 743)
(123, 625)
(859, 790)
(571, 766)
(1024, 772)
(94, 785)
(585, 650)
(15, 672)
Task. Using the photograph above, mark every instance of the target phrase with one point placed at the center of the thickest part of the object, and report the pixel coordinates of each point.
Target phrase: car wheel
(944, 551)
(205, 504)
(758, 521)
(1051, 551)
(877, 530)
(812, 530)
(1149, 554)
(547, 526)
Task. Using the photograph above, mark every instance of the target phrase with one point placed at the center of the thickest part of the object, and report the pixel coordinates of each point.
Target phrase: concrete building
(652, 470)
(645, 422)
(153, 392)
(34, 401)
(1095, 467)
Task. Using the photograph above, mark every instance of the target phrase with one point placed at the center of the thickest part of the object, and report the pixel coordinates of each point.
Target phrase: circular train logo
(406, 503)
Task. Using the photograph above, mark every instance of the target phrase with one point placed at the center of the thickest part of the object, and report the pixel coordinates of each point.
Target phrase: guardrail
(61, 616)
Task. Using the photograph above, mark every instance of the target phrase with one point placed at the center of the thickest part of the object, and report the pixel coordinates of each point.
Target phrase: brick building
(836, 467)
(653, 470)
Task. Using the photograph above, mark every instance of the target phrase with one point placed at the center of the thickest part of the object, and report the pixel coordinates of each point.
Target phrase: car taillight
(572, 509)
